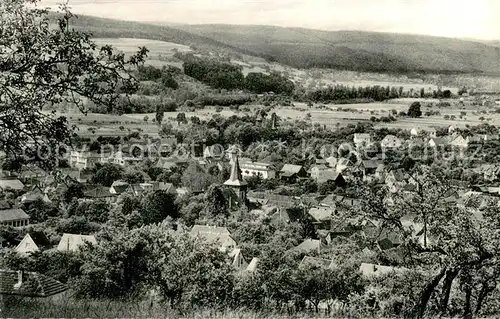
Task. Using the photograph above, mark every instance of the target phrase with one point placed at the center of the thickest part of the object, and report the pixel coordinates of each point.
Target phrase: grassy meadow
(162, 53)
(74, 308)
(330, 115)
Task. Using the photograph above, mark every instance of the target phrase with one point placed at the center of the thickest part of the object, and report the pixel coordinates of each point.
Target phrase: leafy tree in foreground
(215, 202)
(107, 174)
(74, 190)
(42, 66)
(453, 245)
(157, 206)
(133, 177)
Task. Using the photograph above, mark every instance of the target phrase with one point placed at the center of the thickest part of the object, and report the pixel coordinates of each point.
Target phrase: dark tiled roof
(40, 239)
(7, 215)
(120, 186)
(33, 284)
(4, 204)
(440, 141)
(290, 169)
(371, 163)
(98, 192)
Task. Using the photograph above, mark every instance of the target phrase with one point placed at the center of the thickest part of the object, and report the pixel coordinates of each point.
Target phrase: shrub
(414, 110)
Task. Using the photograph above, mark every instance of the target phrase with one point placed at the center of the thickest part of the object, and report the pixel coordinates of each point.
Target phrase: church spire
(235, 179)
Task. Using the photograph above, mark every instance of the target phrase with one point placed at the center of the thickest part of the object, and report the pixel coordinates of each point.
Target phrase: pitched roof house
(362, 139)
(331, 161)
(35, 194)
(168, 187)
(32, 174)
(309, 245)
(33, 242)
(323, 174)
(372, 270)
(279, 216)
(264, 170)
(371, 166)
(252, 266)
(14, 217)
(292, 172)
(214, 235)
(438, 142)
(99, 192)
(118, 187)
(395, 180)
(73, 242)
(14, 184)
(29, 284)
(391, 142)
(343, 164)
(213, 152)
(315, 262)
(238, 261)
(321, 214)
(460, 142)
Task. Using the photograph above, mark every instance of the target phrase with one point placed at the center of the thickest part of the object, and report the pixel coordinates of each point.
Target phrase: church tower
(235, 181)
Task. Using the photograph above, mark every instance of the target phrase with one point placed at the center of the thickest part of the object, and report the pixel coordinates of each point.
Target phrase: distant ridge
(367, 50)
(305, 48)
(113, 28)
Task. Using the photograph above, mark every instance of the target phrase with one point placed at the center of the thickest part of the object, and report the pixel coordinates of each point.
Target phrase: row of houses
(219, 236)
(364, 140)
(37, 241)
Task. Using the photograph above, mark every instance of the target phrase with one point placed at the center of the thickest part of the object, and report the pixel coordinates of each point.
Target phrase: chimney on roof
(20, 276)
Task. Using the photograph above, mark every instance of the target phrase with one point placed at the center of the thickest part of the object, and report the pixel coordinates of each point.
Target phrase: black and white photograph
(252, 159)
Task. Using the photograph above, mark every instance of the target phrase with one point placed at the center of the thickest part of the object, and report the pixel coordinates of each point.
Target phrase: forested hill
(111, 28)
(350, 50)
(356, 50)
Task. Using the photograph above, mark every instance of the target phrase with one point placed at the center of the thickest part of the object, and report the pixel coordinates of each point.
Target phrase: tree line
(222, 75)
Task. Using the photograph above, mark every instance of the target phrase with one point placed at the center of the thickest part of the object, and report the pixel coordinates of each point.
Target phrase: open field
(332, 116)
(160, 52)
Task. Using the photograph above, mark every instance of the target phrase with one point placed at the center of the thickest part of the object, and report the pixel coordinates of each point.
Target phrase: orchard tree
(44, 67)
(181, 118)
(158, 205)
(215, 202)
(196, 179)
(188, 272)
(160, 113)
(134, 177)
(195, 120)
(452, 244)
(107, 174)
(414, 110)
(74, 190)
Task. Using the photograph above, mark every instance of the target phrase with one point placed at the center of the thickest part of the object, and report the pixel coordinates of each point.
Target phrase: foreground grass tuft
(71, 308)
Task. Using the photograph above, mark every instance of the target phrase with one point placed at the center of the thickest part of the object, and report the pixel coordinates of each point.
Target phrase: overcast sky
(452, 18)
